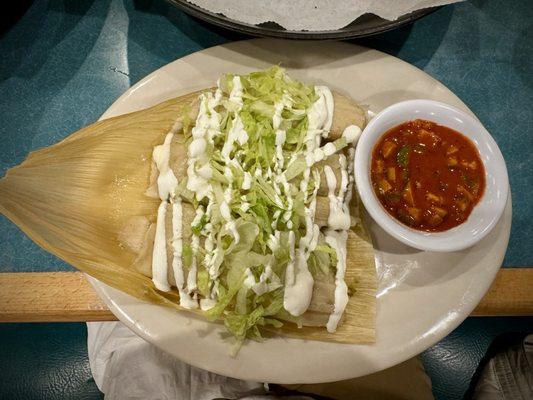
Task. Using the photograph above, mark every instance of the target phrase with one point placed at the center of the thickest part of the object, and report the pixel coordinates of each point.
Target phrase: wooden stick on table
(511, 294)
(49, 297)
(67, 296)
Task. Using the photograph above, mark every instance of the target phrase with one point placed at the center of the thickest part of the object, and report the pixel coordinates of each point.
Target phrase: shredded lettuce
(197, 229)
(251, 311)
(224, 299)
(240, 324)
(187, 255)
(323, 259)
(256, 212)
(298, 166)
(202, 281)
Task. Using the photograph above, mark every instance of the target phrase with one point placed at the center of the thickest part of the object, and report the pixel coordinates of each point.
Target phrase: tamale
(90, 201)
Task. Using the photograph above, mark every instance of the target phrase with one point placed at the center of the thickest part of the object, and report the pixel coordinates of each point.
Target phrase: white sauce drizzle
(207, 126)
(235, 95)
(298, 280)
(199, 172)
(354, 219)
(329, 149)
(207, 304)
(166, 183)
(279, 161)
(238, 134)
(339, 215)
(268, 281)
(351, 133)
(235, 134)
(225, 211)
(232, 228)
(325, 93)
(337, 240)
(159, 254)
(166, 186)
(297, 296)
(186, 301)
(285, 102)
(289, 272)
(191, 277)
(280, 141)
(197, 147)
(339, 218)
(273, 242)
(205, 172)
(247, 181)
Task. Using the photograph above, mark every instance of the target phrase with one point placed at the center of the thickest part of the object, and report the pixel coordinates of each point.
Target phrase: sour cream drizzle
(166, 186)
(339, 215)
(279, 182)
(339, 218)
(268, 281)
(238, 134)
(298, 280)
(199, 172)
(159, 254)
(205, 129)
(327, 97)
(337, 240)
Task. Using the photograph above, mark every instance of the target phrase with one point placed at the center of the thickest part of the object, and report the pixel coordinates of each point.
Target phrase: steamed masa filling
(262, 241)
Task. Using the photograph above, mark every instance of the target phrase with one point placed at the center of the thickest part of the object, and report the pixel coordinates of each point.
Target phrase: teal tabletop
(64, 62)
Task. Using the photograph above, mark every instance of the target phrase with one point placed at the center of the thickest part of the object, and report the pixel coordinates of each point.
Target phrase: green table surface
(64, 62)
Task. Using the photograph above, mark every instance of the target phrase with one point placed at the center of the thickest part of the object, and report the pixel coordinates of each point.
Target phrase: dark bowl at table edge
(366, 25)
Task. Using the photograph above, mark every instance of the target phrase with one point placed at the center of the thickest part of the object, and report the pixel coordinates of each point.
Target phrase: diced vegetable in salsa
(391, 174)
(426, 175)
(403, 156)
(387, 149)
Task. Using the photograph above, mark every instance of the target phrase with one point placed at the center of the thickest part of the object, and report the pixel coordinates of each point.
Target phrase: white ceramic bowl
(484, 215)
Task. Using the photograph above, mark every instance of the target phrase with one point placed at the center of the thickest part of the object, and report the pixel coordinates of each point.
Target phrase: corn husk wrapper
(76, 197)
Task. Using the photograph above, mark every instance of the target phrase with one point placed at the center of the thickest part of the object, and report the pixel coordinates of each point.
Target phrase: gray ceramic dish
(366, 25)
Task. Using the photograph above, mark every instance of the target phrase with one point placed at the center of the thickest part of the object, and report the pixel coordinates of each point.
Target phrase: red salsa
(426, 175)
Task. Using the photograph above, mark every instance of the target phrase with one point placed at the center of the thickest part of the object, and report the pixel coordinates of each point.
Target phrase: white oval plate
(422, 296)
